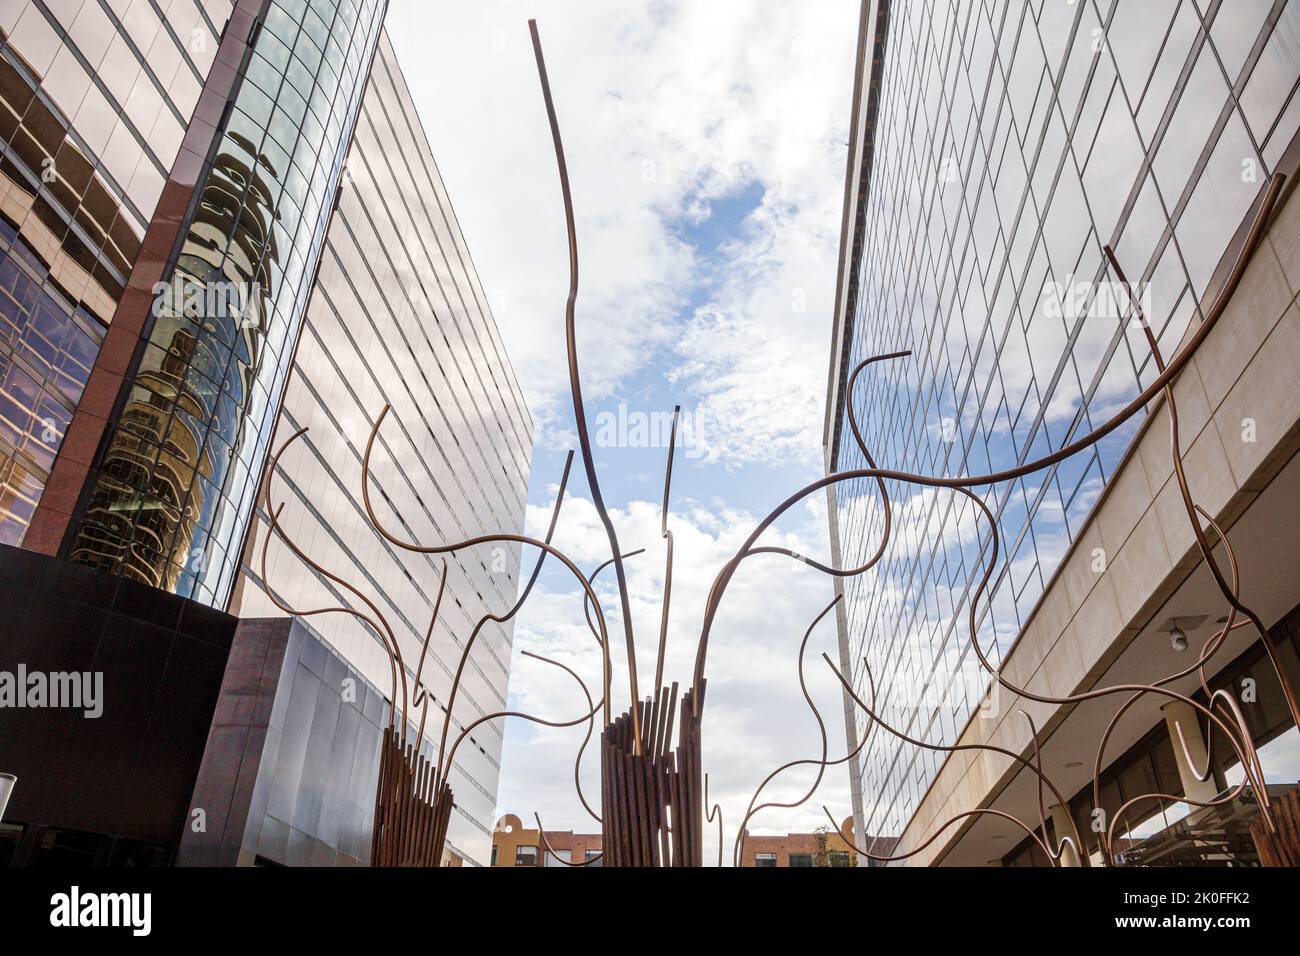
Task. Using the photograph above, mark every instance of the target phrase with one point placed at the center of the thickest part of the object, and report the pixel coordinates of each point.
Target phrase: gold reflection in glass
(159, 474)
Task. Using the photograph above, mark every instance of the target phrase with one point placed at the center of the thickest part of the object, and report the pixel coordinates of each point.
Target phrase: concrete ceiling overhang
(1264, 540)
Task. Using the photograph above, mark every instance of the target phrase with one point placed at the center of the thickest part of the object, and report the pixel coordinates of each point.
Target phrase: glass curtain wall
(174, 491)
(1014, 140)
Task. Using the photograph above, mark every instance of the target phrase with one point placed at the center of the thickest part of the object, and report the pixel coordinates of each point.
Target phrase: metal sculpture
(653, 792)
(413, 796)
(1222, 711)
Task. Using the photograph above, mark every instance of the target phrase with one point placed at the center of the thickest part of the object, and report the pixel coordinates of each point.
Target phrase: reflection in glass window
(46, 351)
(171, 501)
(987, 266)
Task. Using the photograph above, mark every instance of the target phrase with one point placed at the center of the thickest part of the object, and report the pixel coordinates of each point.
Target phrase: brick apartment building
(513, 845)
(821, 848)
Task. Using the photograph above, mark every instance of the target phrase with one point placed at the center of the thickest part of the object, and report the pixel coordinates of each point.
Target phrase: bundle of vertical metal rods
(653, 796)
(412, 808)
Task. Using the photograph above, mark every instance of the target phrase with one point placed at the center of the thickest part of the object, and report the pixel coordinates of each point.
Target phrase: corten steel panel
(129, 772)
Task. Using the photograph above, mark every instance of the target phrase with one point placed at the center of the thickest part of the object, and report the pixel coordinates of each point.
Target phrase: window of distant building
(765, 859)
(802, 859)
(496, 852)
(593, 855)
(559, 857)
(838, 858)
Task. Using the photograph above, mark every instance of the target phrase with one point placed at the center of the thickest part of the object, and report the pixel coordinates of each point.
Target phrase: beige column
(1060, 816)
(1185, 717)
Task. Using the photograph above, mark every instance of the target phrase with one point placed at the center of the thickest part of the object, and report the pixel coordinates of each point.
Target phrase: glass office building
(998, 148)
(174, 489)
(398, 317)
(94, 100)
(221, 222)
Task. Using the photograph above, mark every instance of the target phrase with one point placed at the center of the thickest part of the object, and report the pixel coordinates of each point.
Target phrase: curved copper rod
(1190, 507)
(871, 462)
(451, 756)
(1252, 774)
(668, 561)
(738, 849)
(541, 832)
(862, 447)
(500, 618)
(471, 542)
(394, 651)
(1244, 746)
(939, 832)
(577, 761)
(1064, 839)
(1157, 385)
(1231, 623)
(715, 810)
(1249, 768)
(974, 604)
(421, 693)
(340, 609)
(575, 386)
(586, 605)
(941, 748)
(586, 611)
(1252, 769)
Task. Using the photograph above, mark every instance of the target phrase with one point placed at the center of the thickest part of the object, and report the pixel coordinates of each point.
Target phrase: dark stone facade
(292, 760)
(128, 775)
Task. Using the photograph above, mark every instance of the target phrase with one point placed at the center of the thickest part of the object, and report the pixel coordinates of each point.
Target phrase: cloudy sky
(706, 144)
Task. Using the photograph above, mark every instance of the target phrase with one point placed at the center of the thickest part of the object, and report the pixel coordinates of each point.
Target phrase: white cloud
(666, 109)
(755, 716)
(672, 113)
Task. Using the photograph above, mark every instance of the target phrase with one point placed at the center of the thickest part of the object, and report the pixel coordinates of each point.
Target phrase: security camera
(1178, 640)
(1177, 628)
(7, 781)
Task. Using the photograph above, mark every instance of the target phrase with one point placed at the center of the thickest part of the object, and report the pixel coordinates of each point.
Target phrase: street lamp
(7, 781)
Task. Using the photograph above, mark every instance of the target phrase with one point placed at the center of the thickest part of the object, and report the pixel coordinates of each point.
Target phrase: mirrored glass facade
(94, 99)
(173, 492)
(1013, 141)
(399, 317)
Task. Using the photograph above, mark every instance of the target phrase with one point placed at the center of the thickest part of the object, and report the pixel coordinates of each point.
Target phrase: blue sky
(638, 472)
(706, 145)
